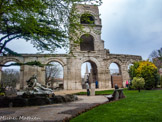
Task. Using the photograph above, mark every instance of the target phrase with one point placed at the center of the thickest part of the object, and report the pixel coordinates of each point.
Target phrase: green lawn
(97, 92)
(145, 106)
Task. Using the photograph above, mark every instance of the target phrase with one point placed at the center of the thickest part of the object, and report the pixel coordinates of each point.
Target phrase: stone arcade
(90, 50)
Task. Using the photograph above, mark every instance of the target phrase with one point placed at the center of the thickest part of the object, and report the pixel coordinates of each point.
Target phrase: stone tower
(91, 37)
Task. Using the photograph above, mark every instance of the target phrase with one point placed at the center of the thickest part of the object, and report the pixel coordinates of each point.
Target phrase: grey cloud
(135, 28)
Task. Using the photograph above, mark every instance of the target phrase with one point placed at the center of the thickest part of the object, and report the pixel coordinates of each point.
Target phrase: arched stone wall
(95, 16)
(94, 71)
(119, 63)
(92, 59)
(72, 67)
(62, 63)
(87, 42)
(131, 61)
(10, 59)
(97, 44)
(87, 18)
(5, 60)
(55, 60)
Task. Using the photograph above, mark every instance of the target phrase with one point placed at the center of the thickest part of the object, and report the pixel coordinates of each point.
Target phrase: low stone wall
(21, 101)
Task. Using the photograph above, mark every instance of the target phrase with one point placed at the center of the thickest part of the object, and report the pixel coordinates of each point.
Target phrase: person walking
(96, 84)
(87, 87)
(127, 83)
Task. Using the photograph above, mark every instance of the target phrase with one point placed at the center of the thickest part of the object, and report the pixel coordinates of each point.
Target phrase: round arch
(90, 33)
(87, 18)
(130, 62)
(92, 75)
(54, 74)
(118, 62)
(93, 64)
(90, 12)
(10, 60)
(13, 73)
(55, 60)
(87, 42)
(116, 78)
(91, 59)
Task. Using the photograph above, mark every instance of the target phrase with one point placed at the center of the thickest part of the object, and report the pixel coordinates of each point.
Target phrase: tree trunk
(139, 89)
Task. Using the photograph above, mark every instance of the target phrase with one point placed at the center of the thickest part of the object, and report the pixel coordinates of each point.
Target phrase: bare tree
(156, 57)
(10, 77)
(114, 71)
(53, 71)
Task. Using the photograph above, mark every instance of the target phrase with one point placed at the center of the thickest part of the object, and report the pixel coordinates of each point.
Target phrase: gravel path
(54, 112)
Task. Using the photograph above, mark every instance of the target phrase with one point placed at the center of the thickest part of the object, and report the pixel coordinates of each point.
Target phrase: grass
(97, 92)
(145, 106)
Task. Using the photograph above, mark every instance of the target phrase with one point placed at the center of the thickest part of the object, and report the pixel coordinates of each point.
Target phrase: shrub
(130, 86)
(146, 70)
(132, 70)
(2, 94)
(138, 83)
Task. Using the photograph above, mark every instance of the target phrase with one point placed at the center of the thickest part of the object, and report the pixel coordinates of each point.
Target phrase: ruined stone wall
(101, 58)
(27, 71)
(72, 67)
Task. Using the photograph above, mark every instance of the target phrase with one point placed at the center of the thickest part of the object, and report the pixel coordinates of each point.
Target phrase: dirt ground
(54, 112)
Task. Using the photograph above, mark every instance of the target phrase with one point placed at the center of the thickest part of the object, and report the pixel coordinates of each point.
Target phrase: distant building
(56, 83)
(86, 77)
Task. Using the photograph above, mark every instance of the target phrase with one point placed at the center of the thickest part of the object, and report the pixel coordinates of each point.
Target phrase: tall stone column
(104, 78)
(65, 78)
(71, 78)
(109, 78)
(22, 77)
(74, 74)
(67, 74)
(125, 75)
(78, 78)
(41, 74)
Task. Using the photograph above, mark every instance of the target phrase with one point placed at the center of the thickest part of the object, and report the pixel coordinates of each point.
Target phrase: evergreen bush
(138, 83)
(146, 70)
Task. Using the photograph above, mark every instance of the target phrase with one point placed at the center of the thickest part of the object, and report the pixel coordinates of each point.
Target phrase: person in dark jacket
(87, 87)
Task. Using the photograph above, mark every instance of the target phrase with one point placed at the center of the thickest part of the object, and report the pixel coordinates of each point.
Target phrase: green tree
(146, 70)
(138, 83)
(45, 23)
(156, 57)
(132, 70)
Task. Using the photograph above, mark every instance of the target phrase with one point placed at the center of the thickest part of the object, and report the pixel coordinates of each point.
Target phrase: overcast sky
(132, 26)
(129, 27)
